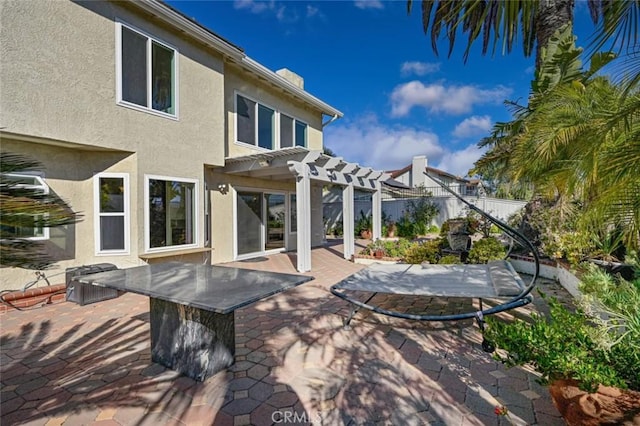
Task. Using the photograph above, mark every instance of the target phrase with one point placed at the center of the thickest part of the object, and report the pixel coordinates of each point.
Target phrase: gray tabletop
(495, 279)
(213, 288)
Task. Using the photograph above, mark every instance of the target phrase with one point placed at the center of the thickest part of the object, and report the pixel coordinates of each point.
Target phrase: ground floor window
(111, 195)
(27, 226)
(261, 221)
(170, 212)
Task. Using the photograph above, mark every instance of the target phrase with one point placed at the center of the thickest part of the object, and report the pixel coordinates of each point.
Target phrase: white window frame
(39, 177)
(150, 38)
(276, 123)
(98, 214)
(196, 214)
(293, 130)
(263, 242)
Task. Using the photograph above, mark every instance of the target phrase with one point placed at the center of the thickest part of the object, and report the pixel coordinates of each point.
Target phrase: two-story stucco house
(169, 140)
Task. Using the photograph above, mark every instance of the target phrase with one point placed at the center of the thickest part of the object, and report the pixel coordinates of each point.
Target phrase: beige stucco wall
(223, 206)
(59, 82)
(69, 173)
(58, 85)
(238, 81)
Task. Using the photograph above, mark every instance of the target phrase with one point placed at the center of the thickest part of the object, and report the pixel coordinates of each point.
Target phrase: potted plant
(363, 226)
(590, 356)
(377, 249)
(391, 229)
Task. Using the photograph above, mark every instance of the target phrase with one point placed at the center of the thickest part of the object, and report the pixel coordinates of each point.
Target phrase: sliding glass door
(249, 222)
(261, 222)
(276, 221)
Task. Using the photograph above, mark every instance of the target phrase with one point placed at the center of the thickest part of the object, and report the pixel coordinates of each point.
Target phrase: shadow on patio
(294, 362)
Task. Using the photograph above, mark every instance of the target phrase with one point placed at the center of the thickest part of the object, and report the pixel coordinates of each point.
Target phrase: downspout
(331, 120)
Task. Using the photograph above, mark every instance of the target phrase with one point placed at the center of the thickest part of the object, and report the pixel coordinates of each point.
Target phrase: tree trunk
(552, 15)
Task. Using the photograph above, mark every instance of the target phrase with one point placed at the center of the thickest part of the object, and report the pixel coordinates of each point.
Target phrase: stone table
(192, 308)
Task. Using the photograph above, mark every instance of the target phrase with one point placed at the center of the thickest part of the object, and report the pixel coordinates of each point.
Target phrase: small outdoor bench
(192, 308)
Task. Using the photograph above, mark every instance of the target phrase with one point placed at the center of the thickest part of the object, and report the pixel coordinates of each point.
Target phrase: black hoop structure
(514, 300)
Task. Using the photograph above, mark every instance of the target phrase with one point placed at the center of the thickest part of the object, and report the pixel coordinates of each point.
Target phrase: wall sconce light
(223, 188)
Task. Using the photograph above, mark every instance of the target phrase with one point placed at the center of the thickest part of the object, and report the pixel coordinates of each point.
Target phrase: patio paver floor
(65, 364)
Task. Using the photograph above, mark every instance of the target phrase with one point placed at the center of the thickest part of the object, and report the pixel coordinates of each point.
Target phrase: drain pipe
(331, 120)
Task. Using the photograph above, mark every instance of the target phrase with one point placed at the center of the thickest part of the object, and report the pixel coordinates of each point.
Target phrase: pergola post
(303, 207)
(376, 212)
(348, 225)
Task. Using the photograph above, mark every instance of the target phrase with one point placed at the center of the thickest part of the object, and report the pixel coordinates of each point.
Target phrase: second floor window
(256, 125)
(292, 132)
(147, 72)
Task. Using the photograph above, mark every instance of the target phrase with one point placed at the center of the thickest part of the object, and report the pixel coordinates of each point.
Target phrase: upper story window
(170, 212)
(111, 192)
(256, 125)
(27, 226)
(147, 72)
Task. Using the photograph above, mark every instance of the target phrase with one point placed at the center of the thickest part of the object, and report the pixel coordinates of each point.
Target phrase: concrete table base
(192, 341)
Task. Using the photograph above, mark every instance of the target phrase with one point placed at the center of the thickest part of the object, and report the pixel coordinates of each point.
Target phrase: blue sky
(371, 60)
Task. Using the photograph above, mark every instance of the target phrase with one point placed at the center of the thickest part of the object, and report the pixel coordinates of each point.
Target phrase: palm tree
(23, 208)
(580, 135)
(534, 20)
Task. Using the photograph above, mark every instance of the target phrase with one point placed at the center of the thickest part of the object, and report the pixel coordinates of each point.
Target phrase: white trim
(120, 24)
(39, 177)
(293, 130)
(263, 250)
(196, 214)
(277, 125)
(97, 214)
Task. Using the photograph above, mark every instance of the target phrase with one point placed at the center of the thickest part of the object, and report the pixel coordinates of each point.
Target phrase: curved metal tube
(511, 232)
(522, 299)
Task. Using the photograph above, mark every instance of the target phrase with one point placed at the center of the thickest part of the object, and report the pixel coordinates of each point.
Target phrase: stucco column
(376, 212)
(348, 226)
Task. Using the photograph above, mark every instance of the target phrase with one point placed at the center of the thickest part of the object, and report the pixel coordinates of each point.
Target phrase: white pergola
(304, 166)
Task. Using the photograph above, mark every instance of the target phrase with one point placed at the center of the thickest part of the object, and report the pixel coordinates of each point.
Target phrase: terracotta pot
(608, 405)
(366, 234)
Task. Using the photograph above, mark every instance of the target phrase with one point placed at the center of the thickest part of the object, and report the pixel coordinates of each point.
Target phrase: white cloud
(440, 98)
(312, 11)
(459, 162)
(369, 143)
(472, 126)
(254, 6)
(419, 68)
(369, 4)
(279, 10)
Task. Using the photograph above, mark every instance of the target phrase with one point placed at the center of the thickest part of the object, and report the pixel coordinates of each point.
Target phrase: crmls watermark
(293, 417)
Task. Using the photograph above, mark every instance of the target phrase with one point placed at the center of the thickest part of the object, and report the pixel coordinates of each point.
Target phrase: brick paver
(65, 364)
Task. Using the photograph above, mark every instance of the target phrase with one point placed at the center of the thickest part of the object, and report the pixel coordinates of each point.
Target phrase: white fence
(448, 207)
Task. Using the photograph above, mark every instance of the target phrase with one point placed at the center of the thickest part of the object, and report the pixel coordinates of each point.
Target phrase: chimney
(418, 170)
(291, 77)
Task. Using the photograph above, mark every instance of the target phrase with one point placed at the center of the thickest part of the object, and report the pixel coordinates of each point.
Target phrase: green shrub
(449, 259)
(433, 229)
(397, 248)
(420, 252)
(406, 228)
(599, 343)
(485, 250)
